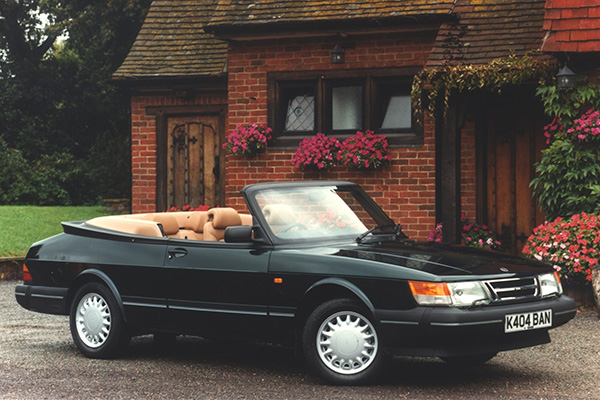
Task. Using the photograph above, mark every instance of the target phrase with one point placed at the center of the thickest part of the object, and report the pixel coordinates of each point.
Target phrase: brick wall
(405, 189)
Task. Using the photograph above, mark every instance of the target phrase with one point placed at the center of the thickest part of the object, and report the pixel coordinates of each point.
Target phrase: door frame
(162, 114)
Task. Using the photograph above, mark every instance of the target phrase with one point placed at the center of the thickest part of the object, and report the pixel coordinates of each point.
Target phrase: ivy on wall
(436, 85)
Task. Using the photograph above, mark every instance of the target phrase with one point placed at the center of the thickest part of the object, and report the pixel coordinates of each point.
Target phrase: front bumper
(44, 299)
(448, 331)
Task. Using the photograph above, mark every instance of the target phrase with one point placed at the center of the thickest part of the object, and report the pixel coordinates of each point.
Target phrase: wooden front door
(193, 161)
(511, 142)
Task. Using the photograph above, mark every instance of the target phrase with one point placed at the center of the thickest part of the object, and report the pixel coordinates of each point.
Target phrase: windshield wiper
(398, 234)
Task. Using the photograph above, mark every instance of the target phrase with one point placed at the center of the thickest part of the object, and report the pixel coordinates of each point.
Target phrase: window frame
(371, 80)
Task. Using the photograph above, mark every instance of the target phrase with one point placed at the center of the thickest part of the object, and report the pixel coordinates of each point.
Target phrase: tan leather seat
(278, 216)
(218, 220)
(193, 227)
(170, 226)
(246, 219)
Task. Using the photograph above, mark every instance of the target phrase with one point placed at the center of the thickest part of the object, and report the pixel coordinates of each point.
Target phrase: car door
(216, 288)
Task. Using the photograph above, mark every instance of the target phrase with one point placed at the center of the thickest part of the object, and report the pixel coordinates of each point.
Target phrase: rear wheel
(340, 343)
(96, 322)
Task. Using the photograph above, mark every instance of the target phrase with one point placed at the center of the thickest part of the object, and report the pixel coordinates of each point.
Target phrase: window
(341, 103)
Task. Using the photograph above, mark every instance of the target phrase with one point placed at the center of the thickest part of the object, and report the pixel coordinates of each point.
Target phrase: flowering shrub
(248, 139)
(473, 235)
(571, 245)
(316, 152)
(364, 151)
(187, 207)
(568, 174)
(584, 128)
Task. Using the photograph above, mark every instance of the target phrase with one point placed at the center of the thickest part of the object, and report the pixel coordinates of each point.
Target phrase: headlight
(465, 294)
(456, 294)
(549, 284)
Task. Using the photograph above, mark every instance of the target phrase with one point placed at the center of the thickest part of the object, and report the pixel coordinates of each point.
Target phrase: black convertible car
(316, 264)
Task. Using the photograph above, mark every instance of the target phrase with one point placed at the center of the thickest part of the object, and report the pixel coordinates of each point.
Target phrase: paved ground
(39, 361)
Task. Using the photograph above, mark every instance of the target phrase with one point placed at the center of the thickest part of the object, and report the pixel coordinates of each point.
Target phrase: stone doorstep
(11, 268)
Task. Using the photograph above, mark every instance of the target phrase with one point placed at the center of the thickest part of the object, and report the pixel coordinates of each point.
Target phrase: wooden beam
(450, 199)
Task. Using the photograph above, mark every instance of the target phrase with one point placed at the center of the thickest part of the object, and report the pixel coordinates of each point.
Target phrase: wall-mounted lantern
(338, 55)
(565, 79)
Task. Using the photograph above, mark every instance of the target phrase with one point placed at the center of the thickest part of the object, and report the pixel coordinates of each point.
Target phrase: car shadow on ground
(269, 359)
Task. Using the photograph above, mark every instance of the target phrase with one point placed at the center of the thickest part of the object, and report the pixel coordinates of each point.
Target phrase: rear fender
(93, 274)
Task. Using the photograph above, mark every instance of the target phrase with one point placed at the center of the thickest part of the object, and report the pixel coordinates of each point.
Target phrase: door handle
(177, 253)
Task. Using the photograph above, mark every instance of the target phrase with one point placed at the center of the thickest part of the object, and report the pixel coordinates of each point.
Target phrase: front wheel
(96, 322)
(340, 343)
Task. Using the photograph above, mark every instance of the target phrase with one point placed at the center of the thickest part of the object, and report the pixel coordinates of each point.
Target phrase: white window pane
(300, 114)
(346, 106)
(398, 113)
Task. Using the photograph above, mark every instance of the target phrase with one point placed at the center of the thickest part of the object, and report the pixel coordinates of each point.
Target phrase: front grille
(513, 289)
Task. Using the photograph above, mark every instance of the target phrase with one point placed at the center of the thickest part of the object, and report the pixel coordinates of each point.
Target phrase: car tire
(469, 360)
(96, 322)
(340, 343)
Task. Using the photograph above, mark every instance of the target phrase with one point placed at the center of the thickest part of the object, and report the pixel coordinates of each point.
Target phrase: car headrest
(168, 222)
(223, 217)
(196, 221)
(278, 214)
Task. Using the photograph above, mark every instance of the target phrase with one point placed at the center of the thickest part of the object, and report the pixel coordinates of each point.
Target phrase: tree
(56, 97)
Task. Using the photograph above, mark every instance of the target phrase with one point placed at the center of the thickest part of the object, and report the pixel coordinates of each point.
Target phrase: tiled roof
(490, 29)
(232, 13)
(572, 26)
(172, 43)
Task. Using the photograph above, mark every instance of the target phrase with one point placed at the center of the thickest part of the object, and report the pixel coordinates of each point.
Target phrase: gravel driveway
(38, 360)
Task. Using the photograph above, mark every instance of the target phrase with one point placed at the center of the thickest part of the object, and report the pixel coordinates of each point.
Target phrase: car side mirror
(238, 234)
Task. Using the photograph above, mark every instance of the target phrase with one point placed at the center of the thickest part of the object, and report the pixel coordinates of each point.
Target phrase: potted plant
(248, 139)
(365, 150)
(473, 235)
(317, 152)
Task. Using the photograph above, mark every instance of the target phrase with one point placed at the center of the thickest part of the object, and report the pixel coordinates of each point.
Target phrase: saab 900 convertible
(316, 264)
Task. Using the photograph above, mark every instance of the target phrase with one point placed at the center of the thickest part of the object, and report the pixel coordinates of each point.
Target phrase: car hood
(443, 260)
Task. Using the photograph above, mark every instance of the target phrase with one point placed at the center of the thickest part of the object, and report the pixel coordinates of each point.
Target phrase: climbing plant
(436, 85)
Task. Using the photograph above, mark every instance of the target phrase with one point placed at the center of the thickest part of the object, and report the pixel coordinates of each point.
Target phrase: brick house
(200, 68)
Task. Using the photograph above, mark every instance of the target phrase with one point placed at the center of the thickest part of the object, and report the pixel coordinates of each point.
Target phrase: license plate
(527, 321)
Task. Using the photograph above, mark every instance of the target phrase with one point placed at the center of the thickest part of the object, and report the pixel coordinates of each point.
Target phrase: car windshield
(318, 212)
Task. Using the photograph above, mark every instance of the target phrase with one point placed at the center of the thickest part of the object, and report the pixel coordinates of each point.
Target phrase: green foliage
(562, 103)
(46, 181)
(24, 225)
(568, 174)
(568, 179)
(440, 83)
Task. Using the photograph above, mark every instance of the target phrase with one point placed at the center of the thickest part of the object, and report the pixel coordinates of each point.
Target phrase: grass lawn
(21, 226)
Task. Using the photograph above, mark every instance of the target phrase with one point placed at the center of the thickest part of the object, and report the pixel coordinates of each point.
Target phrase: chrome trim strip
(46, 296)
(496, 321)
(565, 312)
(133, 304)
(217, 310)
(286, 315)
(387, 321)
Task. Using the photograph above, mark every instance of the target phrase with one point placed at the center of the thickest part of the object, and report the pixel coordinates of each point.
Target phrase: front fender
(340, 282)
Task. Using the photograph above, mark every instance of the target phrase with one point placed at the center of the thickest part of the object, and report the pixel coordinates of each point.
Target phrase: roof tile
(571, 26)
(490, 29)
(172, 42)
